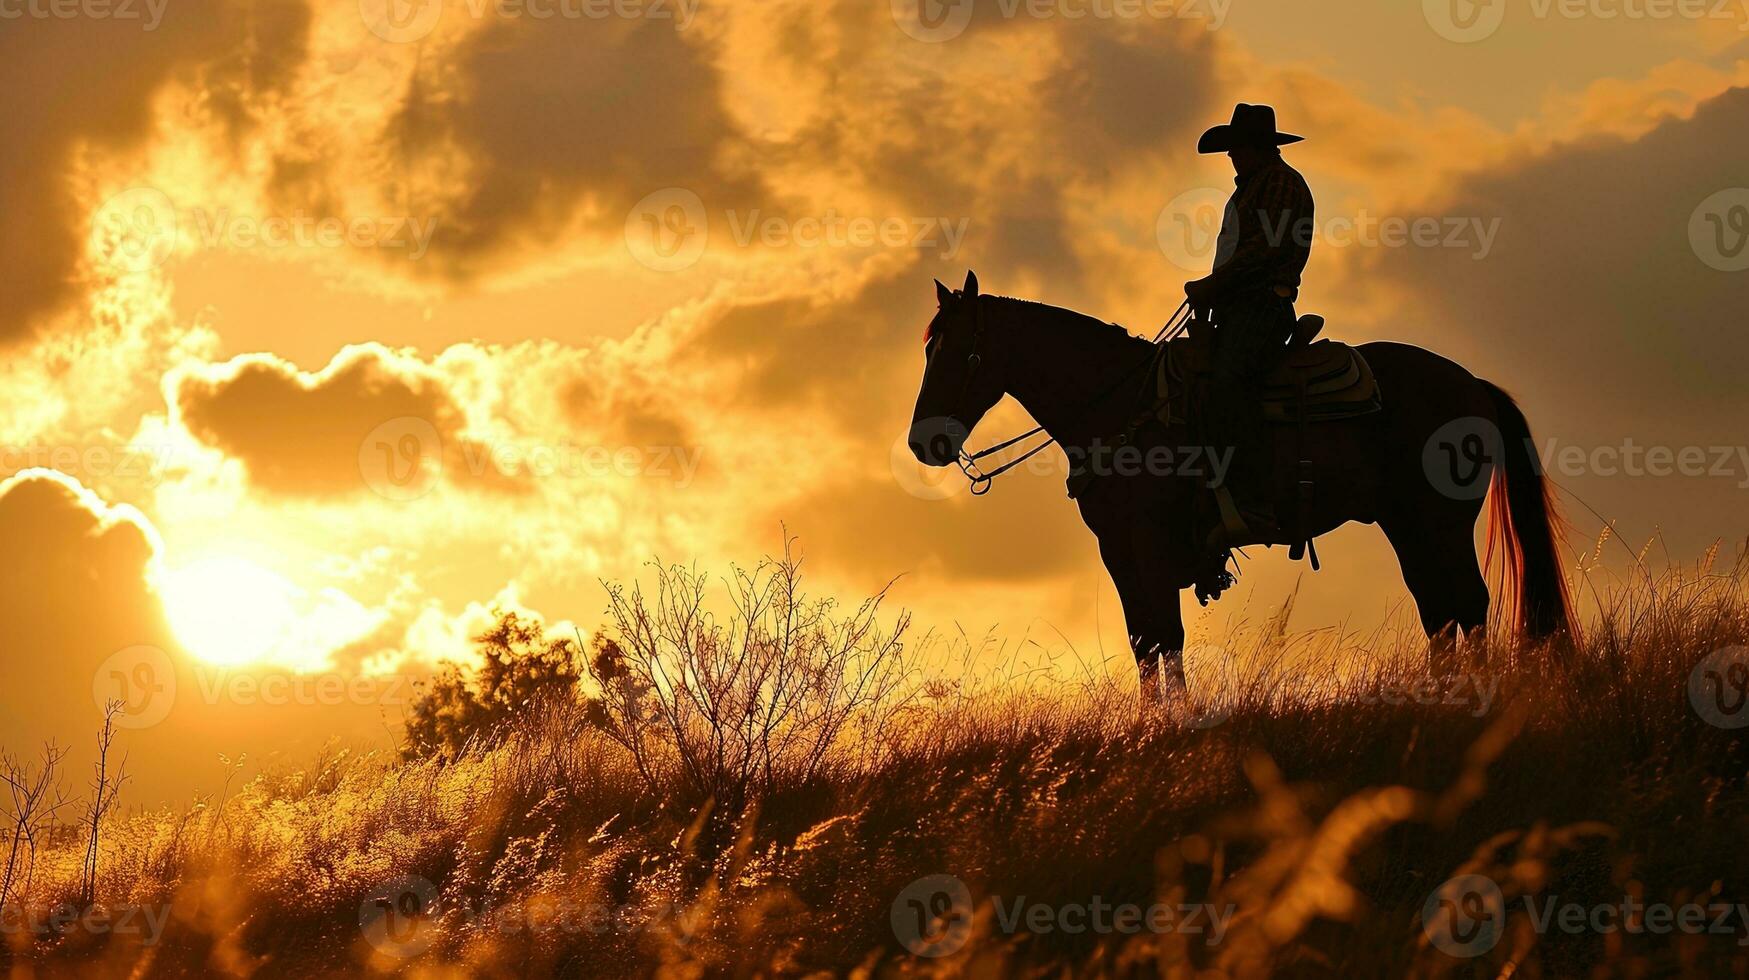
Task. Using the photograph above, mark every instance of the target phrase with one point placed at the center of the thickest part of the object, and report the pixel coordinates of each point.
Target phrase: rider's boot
(1248, 516)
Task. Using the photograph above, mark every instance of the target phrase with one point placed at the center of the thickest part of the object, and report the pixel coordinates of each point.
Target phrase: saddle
(1312, 381)
(1315, 381)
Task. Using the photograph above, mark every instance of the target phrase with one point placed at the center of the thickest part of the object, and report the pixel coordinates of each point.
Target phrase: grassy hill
(779, 791)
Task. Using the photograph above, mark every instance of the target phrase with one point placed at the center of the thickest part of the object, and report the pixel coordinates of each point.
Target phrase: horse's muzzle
(937, 441)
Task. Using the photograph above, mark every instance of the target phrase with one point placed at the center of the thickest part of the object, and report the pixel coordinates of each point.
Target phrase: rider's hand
(1200, 292)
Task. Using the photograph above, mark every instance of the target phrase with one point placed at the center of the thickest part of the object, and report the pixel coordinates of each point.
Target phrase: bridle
(981, 481)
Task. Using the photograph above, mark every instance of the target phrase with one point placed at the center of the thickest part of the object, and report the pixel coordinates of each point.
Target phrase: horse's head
(962, 376)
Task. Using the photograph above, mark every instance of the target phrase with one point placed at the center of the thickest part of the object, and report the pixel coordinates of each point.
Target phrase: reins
(968, 462)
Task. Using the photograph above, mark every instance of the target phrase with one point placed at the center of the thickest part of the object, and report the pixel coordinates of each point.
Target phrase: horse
(1419, 467)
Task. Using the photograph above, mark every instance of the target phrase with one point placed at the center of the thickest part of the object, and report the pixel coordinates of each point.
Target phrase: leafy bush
(519, 667)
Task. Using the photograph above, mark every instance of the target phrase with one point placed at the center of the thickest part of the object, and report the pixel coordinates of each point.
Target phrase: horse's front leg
(1152, 620)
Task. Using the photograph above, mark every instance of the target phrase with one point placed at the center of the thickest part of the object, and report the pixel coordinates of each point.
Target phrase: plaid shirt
(1266, 233)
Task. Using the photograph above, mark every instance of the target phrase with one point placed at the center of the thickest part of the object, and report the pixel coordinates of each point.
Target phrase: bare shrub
(725, 708)
(35, 795)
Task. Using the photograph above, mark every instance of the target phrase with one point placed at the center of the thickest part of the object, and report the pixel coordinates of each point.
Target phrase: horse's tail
(1525, 521)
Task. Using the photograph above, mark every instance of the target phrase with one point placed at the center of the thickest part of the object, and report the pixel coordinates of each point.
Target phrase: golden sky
(331, 326)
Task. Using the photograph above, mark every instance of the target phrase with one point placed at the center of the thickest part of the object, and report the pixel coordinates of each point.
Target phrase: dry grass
(1314, 815)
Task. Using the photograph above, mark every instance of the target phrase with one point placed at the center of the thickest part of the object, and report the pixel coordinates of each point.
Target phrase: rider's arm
(1274, 219)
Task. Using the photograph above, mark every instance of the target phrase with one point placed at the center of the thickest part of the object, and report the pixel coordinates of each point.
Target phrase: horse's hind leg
(1437, 553)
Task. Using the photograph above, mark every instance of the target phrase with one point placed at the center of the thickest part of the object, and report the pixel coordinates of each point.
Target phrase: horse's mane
(1033, 309)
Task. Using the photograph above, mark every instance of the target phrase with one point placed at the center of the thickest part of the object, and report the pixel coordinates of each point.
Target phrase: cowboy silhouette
(1265, 239)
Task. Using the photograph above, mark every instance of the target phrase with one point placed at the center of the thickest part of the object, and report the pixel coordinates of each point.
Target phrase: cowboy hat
(1252, 125)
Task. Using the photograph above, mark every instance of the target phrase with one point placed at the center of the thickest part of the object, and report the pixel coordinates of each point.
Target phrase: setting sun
(228, 611)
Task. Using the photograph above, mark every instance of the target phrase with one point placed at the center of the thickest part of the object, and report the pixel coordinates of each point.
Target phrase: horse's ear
(971, 287)
(943, 295)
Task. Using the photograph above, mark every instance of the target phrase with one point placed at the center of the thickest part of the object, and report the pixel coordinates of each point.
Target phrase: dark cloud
(558, 115)
(88, 82)
(847, 355)
(1129, 92)
(303, 433)
(1595, 309)
(73, 588)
